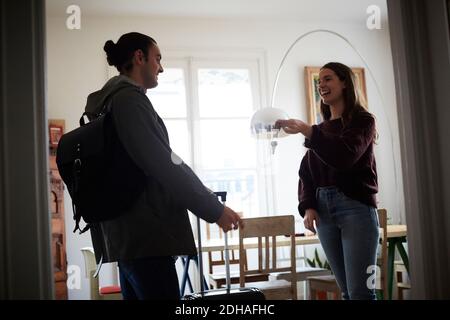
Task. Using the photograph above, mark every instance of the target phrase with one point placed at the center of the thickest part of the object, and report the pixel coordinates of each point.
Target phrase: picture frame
(312, 92)
(55, 131)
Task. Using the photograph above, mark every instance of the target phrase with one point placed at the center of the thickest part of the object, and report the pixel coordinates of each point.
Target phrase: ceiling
(350, 11)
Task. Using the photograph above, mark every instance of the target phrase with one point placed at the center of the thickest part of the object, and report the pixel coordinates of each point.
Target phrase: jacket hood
(96, 100)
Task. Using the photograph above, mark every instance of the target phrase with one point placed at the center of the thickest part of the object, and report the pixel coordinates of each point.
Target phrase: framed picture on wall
(55, 134)
(56, 130)
(312, 91)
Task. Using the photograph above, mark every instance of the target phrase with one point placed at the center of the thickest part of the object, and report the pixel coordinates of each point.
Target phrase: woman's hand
(311, 216)
(294, 126)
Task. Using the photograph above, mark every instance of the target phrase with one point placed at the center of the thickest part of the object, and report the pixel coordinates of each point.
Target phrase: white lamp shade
(263, 123)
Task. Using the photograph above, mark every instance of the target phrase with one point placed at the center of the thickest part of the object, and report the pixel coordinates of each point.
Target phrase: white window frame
(255, 61)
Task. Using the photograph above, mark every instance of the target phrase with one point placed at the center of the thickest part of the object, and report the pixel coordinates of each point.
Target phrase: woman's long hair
(353, 101)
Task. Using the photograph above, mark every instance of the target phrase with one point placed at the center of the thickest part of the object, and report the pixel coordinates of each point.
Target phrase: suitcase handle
(223, 197)
(200, 258)
(227, 262)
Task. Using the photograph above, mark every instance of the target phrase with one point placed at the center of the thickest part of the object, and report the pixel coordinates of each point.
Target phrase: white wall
(77, 66)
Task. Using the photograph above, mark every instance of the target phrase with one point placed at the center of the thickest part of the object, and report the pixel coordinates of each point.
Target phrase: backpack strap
(91, 115)
(82, 122)
(76, 171)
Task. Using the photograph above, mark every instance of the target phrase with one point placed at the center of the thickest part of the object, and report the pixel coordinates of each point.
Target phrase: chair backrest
(382, 261)
(90, 267)
(266, 230)
(111, 292)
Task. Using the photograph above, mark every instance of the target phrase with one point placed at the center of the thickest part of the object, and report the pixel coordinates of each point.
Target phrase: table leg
(392, 243)
(189, 282)
(403, 254)
(205, 286)
(390, 265)
(186, 278)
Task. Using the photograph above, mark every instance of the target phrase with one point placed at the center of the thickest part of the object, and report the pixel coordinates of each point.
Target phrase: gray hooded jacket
(158, 223)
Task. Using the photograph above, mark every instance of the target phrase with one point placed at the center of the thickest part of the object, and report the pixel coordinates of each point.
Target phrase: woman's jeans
(348, 232)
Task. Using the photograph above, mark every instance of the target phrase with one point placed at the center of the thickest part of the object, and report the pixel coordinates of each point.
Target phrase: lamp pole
(300, 38)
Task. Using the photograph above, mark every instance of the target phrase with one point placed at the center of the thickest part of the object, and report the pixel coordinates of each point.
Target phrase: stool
(319, 287)
(401, 285)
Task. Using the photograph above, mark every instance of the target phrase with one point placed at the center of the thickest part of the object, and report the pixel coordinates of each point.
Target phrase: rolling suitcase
(226, 293)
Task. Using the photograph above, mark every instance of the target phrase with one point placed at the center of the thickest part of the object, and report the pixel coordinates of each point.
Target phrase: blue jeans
(150, 278)
(348, 232)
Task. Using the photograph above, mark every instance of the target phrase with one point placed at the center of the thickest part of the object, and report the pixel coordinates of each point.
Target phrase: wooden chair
(328, 283)
(402, 284)
(216, 259)
(97, 292)
(320, 286)
(266, 230)
(302, 274)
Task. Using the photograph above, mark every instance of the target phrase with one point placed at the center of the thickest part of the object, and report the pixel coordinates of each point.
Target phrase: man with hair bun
(145, 239)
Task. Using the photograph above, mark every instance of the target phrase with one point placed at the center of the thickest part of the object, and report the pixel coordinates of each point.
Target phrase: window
(169, 100)
(207, 106)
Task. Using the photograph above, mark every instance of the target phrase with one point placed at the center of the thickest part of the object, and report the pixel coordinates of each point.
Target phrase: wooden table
(233, 243)
(393, 231)
(396, 235)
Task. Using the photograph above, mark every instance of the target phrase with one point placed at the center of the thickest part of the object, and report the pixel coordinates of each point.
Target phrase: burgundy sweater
(341, 157)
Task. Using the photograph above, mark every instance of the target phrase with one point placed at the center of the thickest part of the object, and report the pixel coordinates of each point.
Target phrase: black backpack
(102, 179)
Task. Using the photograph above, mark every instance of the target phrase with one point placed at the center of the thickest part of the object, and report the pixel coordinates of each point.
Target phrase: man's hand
(229, 220)
(311, 215)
